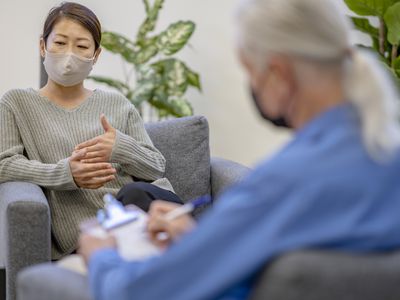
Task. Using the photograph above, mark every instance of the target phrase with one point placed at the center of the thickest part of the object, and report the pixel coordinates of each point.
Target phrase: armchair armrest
(24, 229)
(49, 282)
(225, 173)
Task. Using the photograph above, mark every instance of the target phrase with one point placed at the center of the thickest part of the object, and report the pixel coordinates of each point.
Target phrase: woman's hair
(318, 31)
(76, 12)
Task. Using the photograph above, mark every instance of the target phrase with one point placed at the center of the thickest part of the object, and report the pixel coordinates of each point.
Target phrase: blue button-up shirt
(321, 191)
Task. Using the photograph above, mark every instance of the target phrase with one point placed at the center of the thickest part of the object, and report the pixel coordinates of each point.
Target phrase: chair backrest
(184, 142)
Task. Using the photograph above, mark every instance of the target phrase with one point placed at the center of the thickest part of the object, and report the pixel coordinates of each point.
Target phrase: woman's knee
(135, 194)
(142, 194)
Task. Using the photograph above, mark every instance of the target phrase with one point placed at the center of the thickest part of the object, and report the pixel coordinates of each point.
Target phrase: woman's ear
(96, 54)
(42, 46)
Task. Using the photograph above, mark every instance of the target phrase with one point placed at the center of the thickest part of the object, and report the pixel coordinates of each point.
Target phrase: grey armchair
(330, 275)
(24, 213)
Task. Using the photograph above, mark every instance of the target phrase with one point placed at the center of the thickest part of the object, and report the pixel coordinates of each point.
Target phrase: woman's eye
(59, 43)
(83, 47)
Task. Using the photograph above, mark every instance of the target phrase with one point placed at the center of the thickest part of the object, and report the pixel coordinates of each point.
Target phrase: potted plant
(161, 80)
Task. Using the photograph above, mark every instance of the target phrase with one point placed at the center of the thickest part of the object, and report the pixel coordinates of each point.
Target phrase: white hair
(317, 30)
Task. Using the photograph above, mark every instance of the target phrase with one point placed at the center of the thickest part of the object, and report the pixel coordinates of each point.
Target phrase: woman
(76, 143)
(334, 186)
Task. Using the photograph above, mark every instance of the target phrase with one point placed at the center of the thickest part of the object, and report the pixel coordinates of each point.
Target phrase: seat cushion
(184, 142)
(330, 275)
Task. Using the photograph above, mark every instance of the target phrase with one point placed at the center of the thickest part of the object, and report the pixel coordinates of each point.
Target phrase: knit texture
(37, 137)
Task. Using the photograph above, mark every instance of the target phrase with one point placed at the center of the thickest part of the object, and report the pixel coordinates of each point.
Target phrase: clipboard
(128, 225)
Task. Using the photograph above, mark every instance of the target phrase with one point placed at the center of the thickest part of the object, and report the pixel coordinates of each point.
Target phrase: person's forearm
(138, 159)
(52, 176)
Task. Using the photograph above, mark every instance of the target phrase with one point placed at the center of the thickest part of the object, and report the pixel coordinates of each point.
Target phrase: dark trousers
(2, 284)
(142, 194)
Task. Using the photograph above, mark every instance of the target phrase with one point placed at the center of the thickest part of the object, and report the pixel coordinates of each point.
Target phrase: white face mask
(67, 69)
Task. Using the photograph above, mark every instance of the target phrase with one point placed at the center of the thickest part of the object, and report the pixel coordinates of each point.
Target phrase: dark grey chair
(24, 212)
(328, 275)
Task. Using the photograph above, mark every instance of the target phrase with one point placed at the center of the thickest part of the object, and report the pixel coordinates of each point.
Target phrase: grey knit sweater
(37, 137)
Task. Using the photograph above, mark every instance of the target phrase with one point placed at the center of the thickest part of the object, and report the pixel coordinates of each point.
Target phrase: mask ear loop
(42, 40)
(96, 55)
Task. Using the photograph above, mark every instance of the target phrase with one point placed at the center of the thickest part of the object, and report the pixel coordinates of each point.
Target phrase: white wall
(236, 131)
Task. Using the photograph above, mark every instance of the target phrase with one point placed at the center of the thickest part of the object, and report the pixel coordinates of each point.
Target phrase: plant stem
(394, 54)
(381, 37)
(147, 6)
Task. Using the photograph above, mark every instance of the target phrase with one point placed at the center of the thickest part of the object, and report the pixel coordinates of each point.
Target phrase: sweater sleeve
(14, 166)
(135, 152)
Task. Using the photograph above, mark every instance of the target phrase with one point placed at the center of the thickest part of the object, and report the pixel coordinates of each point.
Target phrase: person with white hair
(334, 186)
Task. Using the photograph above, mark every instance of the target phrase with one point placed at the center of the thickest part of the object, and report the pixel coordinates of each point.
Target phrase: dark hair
(75, 12)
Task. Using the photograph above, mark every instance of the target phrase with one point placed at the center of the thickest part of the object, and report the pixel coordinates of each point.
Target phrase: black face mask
(279, 122)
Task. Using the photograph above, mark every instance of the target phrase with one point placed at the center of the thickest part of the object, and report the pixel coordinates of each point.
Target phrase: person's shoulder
(17, 93)
(14, 96)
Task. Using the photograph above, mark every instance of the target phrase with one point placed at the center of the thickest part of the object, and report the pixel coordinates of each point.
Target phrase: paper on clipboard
(132, 240)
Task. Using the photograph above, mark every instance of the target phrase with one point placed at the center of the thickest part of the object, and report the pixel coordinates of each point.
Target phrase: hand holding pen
(169, 221)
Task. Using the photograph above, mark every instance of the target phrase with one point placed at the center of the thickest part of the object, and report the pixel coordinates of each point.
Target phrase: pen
(187, 207)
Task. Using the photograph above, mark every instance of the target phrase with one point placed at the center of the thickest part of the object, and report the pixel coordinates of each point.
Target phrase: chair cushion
(330, 275)
(184, 142)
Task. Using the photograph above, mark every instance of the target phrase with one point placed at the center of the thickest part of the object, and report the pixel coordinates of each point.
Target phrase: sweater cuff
(122, 147)
(69, 182)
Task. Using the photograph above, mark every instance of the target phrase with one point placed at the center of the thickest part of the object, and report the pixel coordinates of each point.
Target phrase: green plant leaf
(142, 93)
(146, 6)
(363, 25)
(118, 44)
(193, 78)
(181, 107)
(149, 23)
(370, 7)
(168, 104)
(176, 72)
(175, 37)
(392, 20)
(162, 113)
(174, 75)
(114, 83)
(160, 93)
(145, 54)
(375, 44)
(396, 66)
(146, 82)
(178, 107)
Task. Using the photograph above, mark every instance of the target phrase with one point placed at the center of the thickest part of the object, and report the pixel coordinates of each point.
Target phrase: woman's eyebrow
(66, 36)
